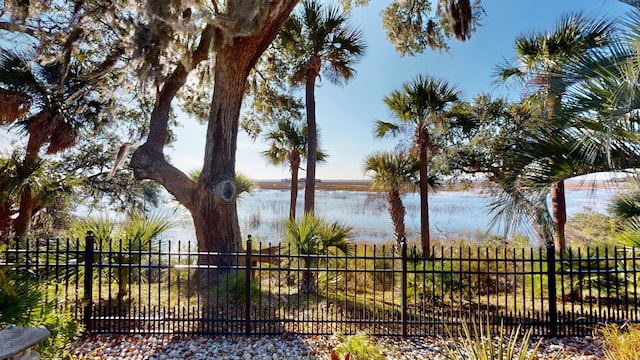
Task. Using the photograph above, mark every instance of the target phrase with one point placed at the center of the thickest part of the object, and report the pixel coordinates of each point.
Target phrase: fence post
(88, 279)
(403, 287)
(248, 287)
(551, 282)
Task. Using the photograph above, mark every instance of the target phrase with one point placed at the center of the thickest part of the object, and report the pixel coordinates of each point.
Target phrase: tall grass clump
(621, 343)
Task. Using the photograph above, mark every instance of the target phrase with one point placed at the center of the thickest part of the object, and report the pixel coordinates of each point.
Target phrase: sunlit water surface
(261, 214)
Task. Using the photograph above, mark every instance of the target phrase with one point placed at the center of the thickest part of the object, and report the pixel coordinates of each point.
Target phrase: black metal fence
(120, 287)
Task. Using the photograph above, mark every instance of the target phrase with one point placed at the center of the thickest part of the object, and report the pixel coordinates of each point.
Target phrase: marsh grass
(621, 343)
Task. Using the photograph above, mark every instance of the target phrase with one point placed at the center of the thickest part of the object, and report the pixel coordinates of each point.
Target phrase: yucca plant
(479, 344)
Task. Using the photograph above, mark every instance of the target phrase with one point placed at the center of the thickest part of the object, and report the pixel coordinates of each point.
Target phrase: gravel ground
(290, 346)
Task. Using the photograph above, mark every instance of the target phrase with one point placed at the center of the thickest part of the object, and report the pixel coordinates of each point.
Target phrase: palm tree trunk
(293, 203)
(22, 224)
(397, 212)
(537, 215)
(308, 282)
(312, 143)
(123, 281)
(559, 210)
(5, 221)
(424, 195)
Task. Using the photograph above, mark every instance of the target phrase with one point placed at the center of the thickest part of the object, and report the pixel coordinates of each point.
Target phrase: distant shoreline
(345, 185)
(365, 185)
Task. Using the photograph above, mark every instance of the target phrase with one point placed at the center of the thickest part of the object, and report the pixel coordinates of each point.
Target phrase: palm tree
(421, 105)
(124, 243)
(40, 182)
(542, 61)
(312, 236)
(49, 103)
(318, 40)
(393, 173)
(288, 146)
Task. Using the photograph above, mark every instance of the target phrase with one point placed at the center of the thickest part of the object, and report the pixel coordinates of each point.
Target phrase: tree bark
(22, 224)
(295, 166)
(397, 212)
(422, 143)
(212, 201)
(215, 216)
(559, 209)
(5, 221)
(312, 143)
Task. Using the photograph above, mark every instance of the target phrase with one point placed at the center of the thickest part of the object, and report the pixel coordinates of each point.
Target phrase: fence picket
(385, 292)
(88, 280)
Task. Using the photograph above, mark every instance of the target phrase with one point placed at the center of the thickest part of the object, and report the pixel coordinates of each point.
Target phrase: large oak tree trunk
(212, 201)
(214, 213)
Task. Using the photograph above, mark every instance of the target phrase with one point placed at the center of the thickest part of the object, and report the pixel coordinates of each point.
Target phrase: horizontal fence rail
(120, 287)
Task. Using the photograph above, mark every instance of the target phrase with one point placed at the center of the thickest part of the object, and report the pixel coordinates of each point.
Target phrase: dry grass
(621, 343)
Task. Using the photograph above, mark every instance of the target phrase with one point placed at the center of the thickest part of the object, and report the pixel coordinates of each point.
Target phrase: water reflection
(261, 213)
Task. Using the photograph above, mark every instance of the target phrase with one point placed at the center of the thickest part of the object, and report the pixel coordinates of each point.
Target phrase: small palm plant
(394, 173)
(125, 242)
(311, 237)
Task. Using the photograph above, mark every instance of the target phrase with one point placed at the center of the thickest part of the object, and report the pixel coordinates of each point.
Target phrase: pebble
(290, 347)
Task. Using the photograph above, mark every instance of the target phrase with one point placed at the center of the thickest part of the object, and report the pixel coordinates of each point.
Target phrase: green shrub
(23, 303)
(312, 236)
(592, 277)
(125, 242)
(21, 295)
(63, 329)
(589, 228)
(359, 347)
(233, 285)
(621, 344)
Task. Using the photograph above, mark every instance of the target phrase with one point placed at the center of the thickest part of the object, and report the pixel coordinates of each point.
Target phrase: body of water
(261, 213)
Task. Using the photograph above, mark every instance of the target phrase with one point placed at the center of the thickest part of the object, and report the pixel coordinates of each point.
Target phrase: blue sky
(345, 115)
